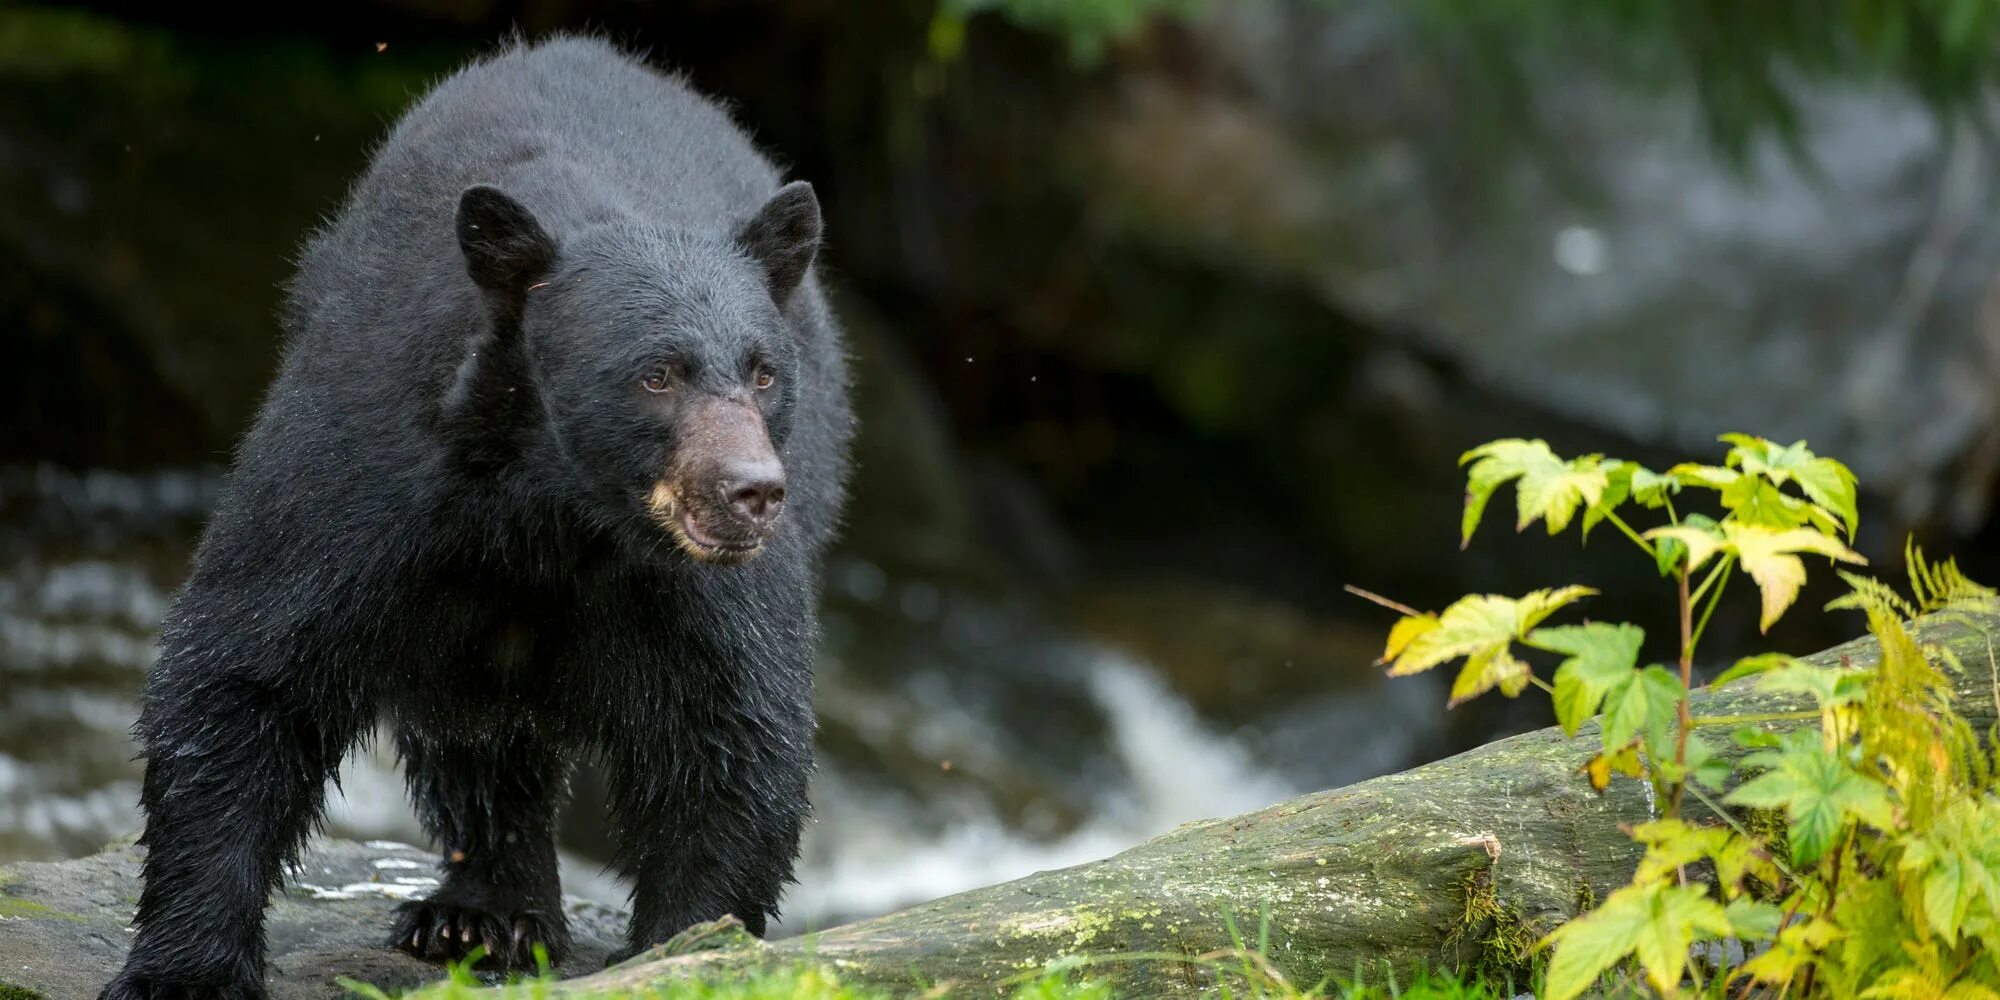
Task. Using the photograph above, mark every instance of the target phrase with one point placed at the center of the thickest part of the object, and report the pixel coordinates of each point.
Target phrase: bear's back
(574, 128)
(645, 139)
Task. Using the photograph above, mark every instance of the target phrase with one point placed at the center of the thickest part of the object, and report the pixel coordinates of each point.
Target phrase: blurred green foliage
(1088, 25)
(1747, 59)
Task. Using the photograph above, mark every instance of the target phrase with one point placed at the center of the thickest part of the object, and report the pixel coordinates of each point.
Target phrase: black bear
(559, 435)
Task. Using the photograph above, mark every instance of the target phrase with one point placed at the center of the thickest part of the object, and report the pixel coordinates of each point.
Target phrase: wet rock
(64, 926)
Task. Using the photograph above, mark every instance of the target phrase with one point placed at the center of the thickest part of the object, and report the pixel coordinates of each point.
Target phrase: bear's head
(664, 367)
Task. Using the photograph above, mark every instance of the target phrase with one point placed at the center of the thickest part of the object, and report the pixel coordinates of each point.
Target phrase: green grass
(1247, 981)
(800, 983)
(803, 983)
(1240, 972)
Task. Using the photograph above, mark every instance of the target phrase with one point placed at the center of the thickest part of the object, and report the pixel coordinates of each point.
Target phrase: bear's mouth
(708, 546)
(697, 536)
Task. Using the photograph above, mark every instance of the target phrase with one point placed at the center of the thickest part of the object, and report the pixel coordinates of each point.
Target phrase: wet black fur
(438, 522)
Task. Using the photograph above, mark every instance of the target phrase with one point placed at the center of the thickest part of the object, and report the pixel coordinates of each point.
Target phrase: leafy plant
(1877, 869)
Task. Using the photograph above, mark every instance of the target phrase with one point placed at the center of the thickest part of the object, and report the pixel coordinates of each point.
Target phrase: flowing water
(965, 739)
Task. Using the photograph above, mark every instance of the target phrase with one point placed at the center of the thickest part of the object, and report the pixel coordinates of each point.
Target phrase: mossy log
(1462, 863)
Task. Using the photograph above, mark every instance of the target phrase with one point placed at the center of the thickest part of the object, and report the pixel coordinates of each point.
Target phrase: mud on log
(1462, 863)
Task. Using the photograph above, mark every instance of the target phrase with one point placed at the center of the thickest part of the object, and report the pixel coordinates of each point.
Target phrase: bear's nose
(756, 491)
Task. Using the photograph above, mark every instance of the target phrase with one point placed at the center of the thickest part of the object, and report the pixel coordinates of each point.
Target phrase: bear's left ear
(784, 237)
(505, 247)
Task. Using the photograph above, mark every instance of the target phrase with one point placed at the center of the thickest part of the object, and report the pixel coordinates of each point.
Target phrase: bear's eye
(764, 379)
(658, 378)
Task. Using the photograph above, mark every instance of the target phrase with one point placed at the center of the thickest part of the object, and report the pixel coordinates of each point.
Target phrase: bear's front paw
(440, 930)
(140, 986)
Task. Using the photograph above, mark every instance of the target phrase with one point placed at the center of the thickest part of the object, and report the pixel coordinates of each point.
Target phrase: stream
(966, 739)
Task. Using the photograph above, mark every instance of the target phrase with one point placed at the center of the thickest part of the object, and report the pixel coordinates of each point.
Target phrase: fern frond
(1941, 586)
(1872, 596)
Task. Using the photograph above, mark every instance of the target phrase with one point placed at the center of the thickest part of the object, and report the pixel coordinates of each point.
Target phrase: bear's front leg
(708, 824)
(491, 806)
(696, 853)
(236, 772)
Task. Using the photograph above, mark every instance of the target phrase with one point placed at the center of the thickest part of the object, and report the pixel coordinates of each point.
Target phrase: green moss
(1502, 943)
(1770, 827)
(21, 909)
(9, 991)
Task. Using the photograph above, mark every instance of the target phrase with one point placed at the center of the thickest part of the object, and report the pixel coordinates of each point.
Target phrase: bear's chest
(502, 669)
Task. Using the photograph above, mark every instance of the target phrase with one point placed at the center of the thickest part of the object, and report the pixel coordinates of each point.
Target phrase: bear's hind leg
(491, 807)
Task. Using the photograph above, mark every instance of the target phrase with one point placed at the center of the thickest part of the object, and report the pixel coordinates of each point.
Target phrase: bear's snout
(723, 498)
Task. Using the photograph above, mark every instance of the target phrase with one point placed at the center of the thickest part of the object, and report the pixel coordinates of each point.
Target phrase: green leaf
(1946, 897)
(1656, 921)
(1486, 670)
(1768, 556)
(1830, 687)
(1751, 500)
(1819, 794)
(1672, 843)
(1647, 702)
(1591, 943)
(1767, 553)
(1667, 554)
(1750, 486)
(1873, 923)
(1710, 770)
(1754, 921)
(1479, 627)
(1652, 489)
(1600, 657)
(1700, 542)
(1681, 915)
(1750, 665)
(1617, 489)
(1628, 481)
(1958, 861)
(1828, 483)
(1755, 739)
(1549, 489)
(1705, 476)
(1404, 632)
(1794, 949)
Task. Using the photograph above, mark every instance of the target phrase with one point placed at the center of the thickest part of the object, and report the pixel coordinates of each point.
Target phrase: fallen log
(1463, 863)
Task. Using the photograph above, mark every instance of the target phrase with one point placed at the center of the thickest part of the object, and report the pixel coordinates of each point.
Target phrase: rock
(66, 922)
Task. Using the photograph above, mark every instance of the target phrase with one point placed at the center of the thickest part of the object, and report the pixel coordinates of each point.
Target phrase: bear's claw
(438, 930)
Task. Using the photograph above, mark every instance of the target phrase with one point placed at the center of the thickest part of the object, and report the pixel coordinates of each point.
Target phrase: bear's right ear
(505, 248)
